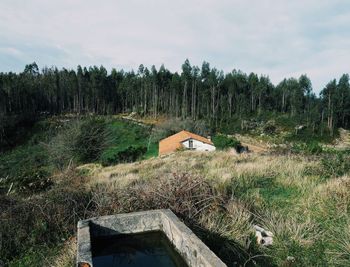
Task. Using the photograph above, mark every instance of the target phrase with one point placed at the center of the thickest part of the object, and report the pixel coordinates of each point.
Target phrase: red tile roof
(173, 142)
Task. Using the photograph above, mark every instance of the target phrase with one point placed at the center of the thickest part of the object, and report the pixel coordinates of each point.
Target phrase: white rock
(259, 237)
(291, 259)
(267, 241)
(269, 233)
(263, 231)
(263, 237)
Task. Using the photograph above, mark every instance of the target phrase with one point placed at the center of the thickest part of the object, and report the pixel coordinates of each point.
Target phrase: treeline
(196, 93)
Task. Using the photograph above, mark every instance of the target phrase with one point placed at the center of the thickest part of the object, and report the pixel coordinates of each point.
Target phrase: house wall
(198, 145)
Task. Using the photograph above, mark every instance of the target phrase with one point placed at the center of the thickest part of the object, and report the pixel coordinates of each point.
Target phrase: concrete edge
(196, 248)
(84, 244)
(190, 247)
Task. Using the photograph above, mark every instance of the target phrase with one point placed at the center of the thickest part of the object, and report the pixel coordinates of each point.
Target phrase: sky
(278, 38)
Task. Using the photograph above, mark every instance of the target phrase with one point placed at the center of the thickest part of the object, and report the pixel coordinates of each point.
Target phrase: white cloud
(278, 38)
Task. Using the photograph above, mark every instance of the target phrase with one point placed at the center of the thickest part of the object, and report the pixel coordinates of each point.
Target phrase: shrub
(314, 148)
(62, 147)
(311, 148)
(269, 127)
(30, 223)
(33, 180)
(26, 168)
(224, 142)
(129, 154)
(91, 140)
(15, 129)
(335, 165)
(187, 196)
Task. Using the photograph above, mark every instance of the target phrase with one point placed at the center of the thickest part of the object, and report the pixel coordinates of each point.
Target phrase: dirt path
(254, 148)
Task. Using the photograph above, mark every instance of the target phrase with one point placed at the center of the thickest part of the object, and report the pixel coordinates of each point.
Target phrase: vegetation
(286, 194)
(224, 142)
(196, 93)
(55, 144)
(33, 226)
(127, 144)
(219, 196)
(301, 197)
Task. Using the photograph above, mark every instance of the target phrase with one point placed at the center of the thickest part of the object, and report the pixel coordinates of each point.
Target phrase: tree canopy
(197, 93)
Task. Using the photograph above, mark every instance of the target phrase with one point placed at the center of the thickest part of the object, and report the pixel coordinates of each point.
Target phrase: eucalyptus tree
(343, 112)
(196, 93)
(329, 96)
(186, 79)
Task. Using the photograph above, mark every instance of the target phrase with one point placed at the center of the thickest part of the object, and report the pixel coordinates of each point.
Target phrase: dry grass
(221, 196)
(187, 196)
(339, 254)
(333, 192)
(235, 224)
(218, 167)
(66, 256)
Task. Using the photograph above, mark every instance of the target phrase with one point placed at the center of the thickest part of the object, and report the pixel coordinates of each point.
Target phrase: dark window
(190, 143)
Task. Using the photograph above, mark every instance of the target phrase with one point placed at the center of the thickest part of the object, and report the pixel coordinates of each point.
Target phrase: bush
(307, 135)
(224, 142)
(30, 223)
(187, 196)
(91, 140)
(62, 147)
(130, 154)
(335, 165)
(311, 148)
(26, 168)
(33, 180)
(269, 127)
(15, 129)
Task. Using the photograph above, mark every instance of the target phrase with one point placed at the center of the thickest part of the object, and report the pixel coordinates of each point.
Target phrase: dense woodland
(196, 93)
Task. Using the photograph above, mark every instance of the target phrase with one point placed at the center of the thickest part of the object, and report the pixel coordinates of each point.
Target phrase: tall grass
(303, 199)
(285, 194)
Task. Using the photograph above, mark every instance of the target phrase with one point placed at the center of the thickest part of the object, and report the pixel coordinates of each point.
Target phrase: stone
(263, 237)
(267, 241)
(268, 233)
(258, 236)
(290, 259)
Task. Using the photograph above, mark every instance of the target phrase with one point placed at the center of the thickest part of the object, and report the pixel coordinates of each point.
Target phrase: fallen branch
(9, 191)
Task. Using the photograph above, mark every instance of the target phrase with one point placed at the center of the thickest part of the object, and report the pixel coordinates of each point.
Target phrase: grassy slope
(289, 195)
(285, 194)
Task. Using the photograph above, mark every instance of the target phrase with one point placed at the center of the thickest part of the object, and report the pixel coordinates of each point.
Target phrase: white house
(199, 145)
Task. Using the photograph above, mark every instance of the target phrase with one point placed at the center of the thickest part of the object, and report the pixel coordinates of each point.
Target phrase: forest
(195, 93)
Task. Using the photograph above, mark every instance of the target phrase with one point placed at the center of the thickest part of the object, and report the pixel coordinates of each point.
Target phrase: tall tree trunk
(184, 101)
(213, 101)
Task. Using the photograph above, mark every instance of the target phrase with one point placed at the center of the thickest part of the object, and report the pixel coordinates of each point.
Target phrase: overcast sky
(280, 38)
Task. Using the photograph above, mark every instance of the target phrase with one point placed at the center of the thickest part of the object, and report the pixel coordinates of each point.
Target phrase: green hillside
(68, 168)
